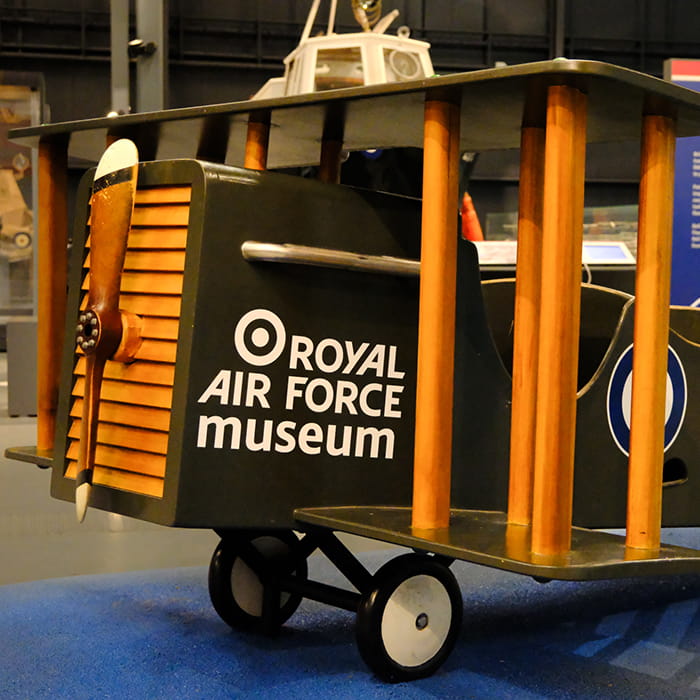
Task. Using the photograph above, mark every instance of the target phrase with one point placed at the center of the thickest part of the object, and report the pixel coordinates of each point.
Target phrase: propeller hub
(88, 331)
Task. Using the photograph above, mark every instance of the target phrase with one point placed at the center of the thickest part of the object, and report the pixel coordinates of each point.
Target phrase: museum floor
(116, 608)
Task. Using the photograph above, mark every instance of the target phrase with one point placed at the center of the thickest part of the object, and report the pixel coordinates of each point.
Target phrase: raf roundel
(620, 396)
(260, 337)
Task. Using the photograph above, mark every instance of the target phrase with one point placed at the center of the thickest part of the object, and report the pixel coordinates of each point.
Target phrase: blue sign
(685, 275)
(620, 399)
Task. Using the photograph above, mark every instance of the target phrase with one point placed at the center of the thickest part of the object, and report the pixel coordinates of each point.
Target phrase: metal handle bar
(329, 257)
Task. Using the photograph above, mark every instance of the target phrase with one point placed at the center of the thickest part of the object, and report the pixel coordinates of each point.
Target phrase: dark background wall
(220, 51)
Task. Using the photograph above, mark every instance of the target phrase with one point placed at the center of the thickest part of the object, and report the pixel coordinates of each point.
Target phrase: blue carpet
(154, 635)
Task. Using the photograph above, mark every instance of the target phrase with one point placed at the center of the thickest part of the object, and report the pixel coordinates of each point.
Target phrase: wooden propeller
(100, 327)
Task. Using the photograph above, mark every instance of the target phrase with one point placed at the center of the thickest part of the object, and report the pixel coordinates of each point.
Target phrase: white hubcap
(416, 620)
(245, 584)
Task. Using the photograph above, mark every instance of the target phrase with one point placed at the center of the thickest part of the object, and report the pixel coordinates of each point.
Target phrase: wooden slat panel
(164, 260)
(148, 305)
(166, 215)
(124, 481)
(166, 306)
(157, 238)
(163, 195)
(151, 305)
(163, 238)
(123, 459)
(142, 416)
(136, 398)
(153, 282)
(145, 282)
(152, 351)
(130, 393)
(121, 436)
(157, 351)
(160, 328)
(140, 372)
(154, 260)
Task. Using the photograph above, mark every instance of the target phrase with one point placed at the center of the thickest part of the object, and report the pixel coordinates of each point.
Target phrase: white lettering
(364, 403)
(237, 389)
(344, 449)
(310, 437)
(375, 436)
(219, 386)
(266, 442)
(260, 338)
(391, 371)
(346, 393)
(391, 400)
(336, 347)
(326, 389)
(283, 433)
(258, 386)
(353, 355)
(220, 424)
(292, 391)
(301, 348)
(375, 361)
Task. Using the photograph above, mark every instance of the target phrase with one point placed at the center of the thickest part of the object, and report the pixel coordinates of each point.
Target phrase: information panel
(685, 279)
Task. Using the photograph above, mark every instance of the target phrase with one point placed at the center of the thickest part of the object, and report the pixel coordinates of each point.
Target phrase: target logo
(260, 337)
(619, 399)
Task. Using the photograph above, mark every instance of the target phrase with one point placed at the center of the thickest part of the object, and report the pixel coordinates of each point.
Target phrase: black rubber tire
(409, 621)
(238, 582)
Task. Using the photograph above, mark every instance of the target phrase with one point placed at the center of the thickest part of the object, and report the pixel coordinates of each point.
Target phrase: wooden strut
(52, 279)
(560, 308)
(651, 328)
(329, 167)
(436, 325)
(214, 138)
(332, 145)
(257, 141)
(526, 325)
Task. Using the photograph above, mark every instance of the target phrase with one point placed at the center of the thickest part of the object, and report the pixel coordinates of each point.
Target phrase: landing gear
(408, 613)
(243, 578)
(408, 623)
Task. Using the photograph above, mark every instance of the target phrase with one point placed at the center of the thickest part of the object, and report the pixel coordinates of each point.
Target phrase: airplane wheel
(240, 571)
(408, 622)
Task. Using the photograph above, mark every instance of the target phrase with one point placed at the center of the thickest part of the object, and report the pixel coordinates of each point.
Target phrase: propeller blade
(99, 329)
(88, 435)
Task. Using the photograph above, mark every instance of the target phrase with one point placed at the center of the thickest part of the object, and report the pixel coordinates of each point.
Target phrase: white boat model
(367, 57)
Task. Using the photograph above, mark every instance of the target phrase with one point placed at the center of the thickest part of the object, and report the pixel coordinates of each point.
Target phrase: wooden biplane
(296, 356)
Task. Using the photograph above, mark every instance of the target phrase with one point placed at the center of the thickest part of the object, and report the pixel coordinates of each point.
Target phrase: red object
(684, 69)
(471, 228)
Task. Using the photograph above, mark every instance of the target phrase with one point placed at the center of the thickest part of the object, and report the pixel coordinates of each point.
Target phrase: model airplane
(315, 358)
